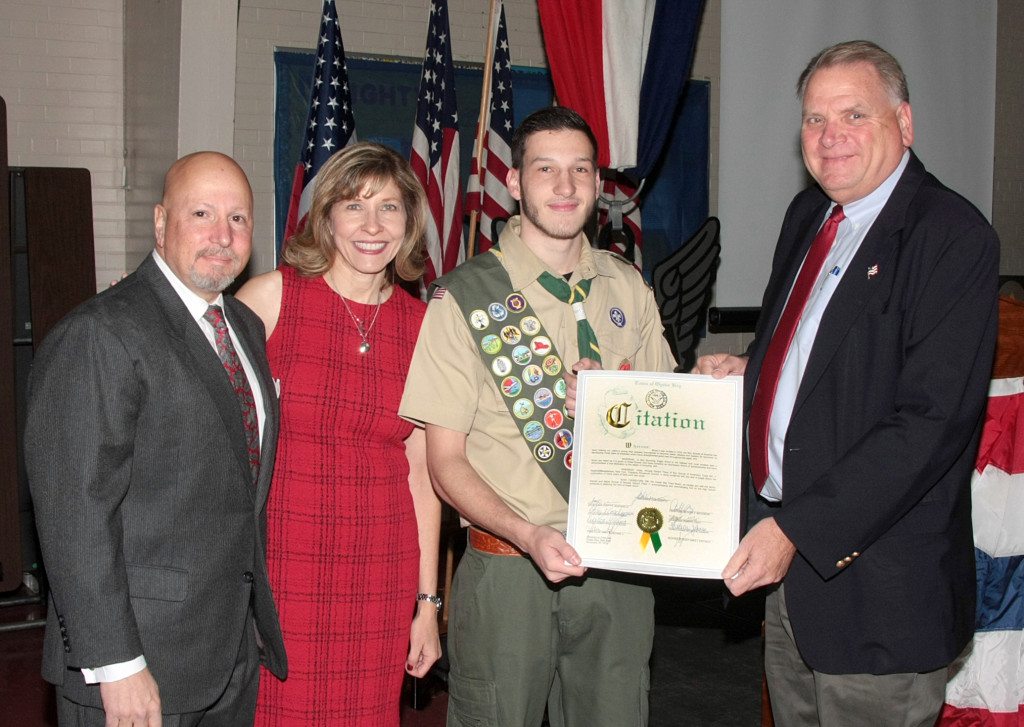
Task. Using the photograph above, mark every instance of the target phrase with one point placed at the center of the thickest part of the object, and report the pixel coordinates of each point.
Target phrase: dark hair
(359, 170)
(860, 51)
(552, 118)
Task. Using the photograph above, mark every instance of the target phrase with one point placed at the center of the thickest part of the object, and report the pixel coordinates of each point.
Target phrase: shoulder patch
(438, 293)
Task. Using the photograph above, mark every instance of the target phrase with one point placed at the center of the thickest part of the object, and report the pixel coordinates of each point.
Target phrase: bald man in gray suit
(149, 445)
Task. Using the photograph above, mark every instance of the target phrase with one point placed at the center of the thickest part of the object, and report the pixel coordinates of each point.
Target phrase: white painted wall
(947, 49)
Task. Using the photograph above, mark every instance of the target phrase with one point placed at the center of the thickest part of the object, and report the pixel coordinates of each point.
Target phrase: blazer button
(855, 554)
(247, 576)
(67, 649)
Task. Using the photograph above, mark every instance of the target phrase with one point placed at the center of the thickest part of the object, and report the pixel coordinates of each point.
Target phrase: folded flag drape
(986, 686)
(623, 65)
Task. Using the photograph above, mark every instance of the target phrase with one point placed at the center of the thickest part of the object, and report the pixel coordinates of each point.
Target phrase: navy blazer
(152, 531)
(884, 431)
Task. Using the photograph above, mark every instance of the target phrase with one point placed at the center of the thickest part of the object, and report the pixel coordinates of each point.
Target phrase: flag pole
(483, 121)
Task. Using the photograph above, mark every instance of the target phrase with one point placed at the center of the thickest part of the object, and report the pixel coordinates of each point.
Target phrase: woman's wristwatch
(436, 600)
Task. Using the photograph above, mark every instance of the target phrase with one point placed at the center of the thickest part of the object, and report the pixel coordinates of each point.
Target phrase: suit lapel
(880, 247)
(208, 368)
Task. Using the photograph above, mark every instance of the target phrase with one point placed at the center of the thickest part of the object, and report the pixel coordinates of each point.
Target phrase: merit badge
(543, 398)
(501, 366)
(511, 335)
(522, 408)
(511, 386)
(533, 375)
(650, 520)
(497, 311)
(560, 388)
(541, 345)
(515, 302)
(478, 319)
(552, 365)
(543, 452)
(553, 419)
(618, 317)
(530, 325)
(522, 355)
(490, 344)
(533, 431)
(563, 439)
(567, 460)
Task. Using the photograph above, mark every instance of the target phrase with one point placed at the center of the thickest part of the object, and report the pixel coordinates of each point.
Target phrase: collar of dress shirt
(866, 209)
(196, 306)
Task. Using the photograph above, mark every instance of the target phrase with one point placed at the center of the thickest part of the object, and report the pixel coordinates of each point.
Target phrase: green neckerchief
(574, 295)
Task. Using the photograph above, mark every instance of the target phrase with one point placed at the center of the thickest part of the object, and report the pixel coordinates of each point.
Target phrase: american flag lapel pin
(873, 271)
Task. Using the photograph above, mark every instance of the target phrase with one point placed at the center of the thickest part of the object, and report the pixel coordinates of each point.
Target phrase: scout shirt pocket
(618, 338)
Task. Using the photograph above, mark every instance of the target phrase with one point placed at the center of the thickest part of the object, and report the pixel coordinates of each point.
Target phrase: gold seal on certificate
(656, 472)
(650, 521)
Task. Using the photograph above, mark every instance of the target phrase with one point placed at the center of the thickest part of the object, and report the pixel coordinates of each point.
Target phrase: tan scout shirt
(448, 385)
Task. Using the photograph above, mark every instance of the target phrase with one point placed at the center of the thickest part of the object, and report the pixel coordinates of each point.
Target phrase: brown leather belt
(486, 543)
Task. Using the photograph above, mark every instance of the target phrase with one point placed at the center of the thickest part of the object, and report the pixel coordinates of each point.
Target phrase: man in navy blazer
(149, 489)
(874, 423)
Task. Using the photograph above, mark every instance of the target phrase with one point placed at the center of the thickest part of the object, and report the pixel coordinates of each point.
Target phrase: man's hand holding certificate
(656, 472)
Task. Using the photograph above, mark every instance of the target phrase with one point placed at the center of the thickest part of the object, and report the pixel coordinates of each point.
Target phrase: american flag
(435, 147)
(330, 125)
(618, 186)
(493, 200)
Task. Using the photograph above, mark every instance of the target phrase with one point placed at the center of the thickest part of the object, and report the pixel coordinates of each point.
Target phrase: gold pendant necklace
(363, 334)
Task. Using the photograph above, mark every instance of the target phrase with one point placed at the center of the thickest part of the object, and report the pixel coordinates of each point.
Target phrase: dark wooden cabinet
(47, 267)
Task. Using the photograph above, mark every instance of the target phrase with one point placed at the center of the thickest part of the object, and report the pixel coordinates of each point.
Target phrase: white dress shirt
(197, 308)
(860, 216)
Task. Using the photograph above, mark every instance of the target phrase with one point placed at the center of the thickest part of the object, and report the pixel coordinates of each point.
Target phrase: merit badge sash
(514, 347)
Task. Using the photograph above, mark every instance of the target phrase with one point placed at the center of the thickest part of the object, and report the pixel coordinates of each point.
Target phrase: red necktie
(778, 347)
(229, 358)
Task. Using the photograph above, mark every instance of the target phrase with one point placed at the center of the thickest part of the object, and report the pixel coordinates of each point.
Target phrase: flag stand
(483, 121)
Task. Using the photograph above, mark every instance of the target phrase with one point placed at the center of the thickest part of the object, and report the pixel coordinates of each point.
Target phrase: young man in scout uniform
(530, 626)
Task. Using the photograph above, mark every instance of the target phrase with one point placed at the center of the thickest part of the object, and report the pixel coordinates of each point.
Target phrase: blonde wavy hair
(360, 170)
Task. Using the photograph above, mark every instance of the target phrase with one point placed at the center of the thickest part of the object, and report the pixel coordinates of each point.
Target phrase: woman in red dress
(353, 521)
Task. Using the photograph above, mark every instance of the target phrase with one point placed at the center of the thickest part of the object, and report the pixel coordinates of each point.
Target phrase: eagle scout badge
(650, 520)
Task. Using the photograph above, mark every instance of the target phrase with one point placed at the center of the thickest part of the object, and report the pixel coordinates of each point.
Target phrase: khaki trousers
(802, 697)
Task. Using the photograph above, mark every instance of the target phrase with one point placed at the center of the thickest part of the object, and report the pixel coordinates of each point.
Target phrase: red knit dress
(342, 546)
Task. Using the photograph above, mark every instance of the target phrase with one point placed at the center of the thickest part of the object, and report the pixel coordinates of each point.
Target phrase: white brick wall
(61, 75)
